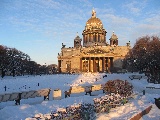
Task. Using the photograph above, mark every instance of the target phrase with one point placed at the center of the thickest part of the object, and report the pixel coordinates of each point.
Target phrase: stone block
(57, 94)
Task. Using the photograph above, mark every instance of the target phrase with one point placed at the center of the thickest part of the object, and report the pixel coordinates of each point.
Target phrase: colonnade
(96, 64)
(94, 37)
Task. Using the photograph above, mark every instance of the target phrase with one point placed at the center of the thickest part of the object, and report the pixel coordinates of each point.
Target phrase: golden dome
(94, 22)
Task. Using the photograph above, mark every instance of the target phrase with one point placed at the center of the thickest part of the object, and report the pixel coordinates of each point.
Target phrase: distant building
(96, 55)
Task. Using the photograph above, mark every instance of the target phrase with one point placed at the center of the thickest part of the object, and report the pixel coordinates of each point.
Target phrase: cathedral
(96, 54)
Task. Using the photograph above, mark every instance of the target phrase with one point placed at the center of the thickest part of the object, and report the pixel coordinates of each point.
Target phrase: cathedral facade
(95, 55)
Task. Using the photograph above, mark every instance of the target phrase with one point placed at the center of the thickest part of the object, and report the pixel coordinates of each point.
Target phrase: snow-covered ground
(32, 106)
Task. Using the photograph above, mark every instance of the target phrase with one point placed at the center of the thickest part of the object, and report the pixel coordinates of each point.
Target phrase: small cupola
(113, 39)
(77, 41)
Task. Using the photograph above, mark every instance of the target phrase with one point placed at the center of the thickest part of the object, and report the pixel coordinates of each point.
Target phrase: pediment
(97, 51)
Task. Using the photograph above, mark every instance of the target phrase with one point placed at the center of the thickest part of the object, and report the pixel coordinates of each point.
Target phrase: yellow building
(95, 55)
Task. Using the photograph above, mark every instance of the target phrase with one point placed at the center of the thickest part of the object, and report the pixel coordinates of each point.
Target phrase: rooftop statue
(93, 13)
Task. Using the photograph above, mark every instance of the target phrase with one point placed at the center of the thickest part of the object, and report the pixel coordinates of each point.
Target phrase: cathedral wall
(70, 52)
(63, 65)
(118, 61)
(73, 56)
(121, 50)
(75, 64)
(120, 53)
(70, 55)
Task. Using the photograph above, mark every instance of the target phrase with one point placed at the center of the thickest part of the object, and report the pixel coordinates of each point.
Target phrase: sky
(39, 27)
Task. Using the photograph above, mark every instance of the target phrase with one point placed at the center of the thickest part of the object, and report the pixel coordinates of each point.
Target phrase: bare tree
(145, 57)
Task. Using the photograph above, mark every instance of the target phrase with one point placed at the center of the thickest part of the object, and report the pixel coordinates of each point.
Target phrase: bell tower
(77, 41)
(113, 39)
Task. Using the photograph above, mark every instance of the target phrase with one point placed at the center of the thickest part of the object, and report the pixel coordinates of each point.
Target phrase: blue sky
(39, 27)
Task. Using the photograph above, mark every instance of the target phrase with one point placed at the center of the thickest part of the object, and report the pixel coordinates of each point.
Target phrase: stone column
(109, 64)
(106, 60)
(91, 38)
(94, 37)
(97, 38)
(88, 39)
(83, 39)
(95, 67)
(89, 64)
(98, 64)
(103, 64)
(93, 64)
(100, 38)
(84, 64)
(80, 64)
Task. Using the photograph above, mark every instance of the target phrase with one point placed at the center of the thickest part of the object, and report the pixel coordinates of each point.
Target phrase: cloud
(104, 11)
(149, 25)
(117, 19)
(86, 3)
(46, 17)
(135, 7)
(153, 18)
(119, 24)
(50, 4)
(142, 29)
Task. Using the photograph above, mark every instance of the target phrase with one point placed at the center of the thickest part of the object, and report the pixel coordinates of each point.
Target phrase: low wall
(139, 115)
(96, 87)
(80, 89)
(77, 89)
